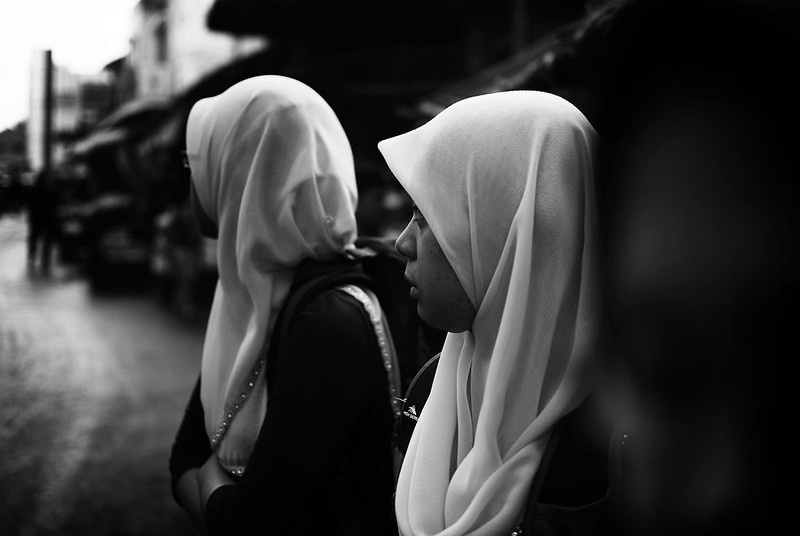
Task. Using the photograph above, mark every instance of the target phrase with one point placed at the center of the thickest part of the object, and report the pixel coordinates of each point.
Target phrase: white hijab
(505, 183)
(273, 169)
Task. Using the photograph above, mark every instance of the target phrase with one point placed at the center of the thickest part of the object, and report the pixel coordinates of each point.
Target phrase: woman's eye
(416, 214)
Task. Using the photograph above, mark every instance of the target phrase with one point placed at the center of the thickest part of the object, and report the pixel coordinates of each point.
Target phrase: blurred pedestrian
(500, 254)
(289, 436)
(42, 206)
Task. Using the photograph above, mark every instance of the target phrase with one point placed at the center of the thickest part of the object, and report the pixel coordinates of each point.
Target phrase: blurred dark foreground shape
(699, 213)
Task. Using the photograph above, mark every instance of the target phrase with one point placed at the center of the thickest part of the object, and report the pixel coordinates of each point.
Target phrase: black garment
(322, 463)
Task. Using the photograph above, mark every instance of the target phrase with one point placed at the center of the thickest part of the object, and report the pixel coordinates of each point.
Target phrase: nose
(405, 243)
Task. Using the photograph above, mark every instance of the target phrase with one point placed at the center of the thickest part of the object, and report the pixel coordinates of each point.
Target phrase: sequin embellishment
(234, 408)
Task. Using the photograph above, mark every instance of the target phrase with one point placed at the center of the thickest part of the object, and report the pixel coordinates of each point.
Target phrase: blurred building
(171, 47)
(78, 103)
(172, 50)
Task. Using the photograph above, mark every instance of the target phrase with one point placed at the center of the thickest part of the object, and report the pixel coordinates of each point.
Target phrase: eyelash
(416, 214)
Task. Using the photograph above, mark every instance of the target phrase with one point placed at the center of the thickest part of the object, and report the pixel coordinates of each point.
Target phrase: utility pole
(48, 111)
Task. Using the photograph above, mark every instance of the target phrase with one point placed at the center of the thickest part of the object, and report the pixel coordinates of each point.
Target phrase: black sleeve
(323, 382)
(191, 447)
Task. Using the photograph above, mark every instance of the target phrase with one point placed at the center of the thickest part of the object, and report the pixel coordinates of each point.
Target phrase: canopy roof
(544, 65)
(128, 121)
(136, 111)
(289, 17)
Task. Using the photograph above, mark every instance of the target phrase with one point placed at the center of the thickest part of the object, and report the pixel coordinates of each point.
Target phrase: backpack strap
(620, 470)
(384, 336)
(538, 480)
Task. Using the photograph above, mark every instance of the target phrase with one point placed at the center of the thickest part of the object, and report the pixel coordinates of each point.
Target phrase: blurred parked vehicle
(118, 241)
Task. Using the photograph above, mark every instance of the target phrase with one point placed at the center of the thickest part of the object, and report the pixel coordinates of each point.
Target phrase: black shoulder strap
(539, 478)
(544, 465)
(573, 471)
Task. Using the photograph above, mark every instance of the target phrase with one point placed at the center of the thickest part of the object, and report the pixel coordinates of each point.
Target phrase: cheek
(433, 306)
(443, 303)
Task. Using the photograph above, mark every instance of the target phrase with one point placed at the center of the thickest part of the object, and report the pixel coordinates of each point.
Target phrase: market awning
(526, 69)
(137, 111)
(506, 75)
(126, 123)
(99, 139)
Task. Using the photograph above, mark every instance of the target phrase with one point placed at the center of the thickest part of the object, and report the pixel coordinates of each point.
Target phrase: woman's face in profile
(441, 300)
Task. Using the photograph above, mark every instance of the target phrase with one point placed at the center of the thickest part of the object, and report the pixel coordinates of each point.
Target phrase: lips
(414, 290)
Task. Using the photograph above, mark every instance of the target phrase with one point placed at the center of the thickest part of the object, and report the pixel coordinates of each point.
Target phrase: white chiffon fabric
(505, 182)
(273, 169)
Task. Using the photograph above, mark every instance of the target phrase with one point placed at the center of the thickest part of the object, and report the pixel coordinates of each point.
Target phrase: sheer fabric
(273, 169)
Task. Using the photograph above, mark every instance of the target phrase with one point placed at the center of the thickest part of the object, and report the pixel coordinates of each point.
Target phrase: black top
(322, 463)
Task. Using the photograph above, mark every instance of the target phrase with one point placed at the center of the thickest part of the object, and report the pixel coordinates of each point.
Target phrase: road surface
(92, 388)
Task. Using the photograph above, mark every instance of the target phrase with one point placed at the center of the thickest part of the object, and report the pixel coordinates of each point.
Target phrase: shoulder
(334, 337)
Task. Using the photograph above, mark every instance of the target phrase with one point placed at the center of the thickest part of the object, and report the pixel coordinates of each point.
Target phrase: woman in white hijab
(298, 444)
(500, 254)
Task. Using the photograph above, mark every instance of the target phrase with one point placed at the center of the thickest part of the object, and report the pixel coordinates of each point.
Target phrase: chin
(431, 320)
(440, 322)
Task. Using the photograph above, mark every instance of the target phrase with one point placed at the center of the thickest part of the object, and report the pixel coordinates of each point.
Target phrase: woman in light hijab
(500, 254)
(295, 441)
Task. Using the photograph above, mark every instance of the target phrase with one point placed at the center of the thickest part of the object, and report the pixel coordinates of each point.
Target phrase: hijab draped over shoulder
(273, 169)
(505, 183)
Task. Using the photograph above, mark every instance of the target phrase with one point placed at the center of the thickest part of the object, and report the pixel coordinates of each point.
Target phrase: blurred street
(92, 388)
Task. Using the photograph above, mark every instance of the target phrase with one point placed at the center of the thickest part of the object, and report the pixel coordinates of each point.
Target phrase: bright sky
(83, 35)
